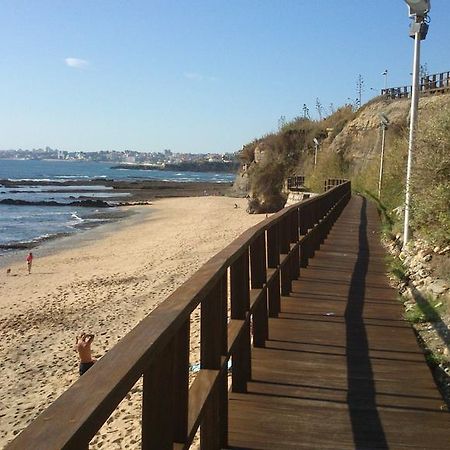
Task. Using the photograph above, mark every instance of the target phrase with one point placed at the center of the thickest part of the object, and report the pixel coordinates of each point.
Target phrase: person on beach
(29, 262)
(83, 346)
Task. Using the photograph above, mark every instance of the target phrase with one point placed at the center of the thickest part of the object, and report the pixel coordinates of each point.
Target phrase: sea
(27, 225)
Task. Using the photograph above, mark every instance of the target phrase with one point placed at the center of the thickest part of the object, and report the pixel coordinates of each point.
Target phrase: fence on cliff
(430, 84)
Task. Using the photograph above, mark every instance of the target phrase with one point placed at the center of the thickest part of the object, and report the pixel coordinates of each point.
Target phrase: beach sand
(103, 281)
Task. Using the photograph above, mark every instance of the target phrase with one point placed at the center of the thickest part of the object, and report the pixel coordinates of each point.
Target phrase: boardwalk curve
(341, 369)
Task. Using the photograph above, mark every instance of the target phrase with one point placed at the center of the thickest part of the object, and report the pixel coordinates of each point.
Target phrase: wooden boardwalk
(341, 369)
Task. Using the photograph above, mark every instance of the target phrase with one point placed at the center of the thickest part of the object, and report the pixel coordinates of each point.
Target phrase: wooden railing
(431, 84)
(333, 182)
(237, 290)
(296, 183)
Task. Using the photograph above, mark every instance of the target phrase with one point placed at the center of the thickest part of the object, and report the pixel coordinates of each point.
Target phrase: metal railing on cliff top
(431, 84)
(237, 290)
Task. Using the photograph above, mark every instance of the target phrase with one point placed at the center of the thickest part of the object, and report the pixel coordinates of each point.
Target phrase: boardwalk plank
(341, 369)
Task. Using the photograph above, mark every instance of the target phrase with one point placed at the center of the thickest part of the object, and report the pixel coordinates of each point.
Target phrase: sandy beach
(103, 281)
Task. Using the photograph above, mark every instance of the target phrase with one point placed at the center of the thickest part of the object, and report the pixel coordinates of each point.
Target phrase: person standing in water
(29, 262)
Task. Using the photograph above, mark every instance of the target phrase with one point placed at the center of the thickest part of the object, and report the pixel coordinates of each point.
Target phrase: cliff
(350, 147)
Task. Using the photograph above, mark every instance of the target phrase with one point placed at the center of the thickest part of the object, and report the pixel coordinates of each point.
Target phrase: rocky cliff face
(359, 140)
(349, 142)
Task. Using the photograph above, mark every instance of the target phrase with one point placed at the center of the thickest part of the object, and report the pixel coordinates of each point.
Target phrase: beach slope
(104, 282)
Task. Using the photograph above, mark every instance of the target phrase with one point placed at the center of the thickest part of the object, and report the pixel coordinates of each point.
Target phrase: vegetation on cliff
(268, 161)
(350, 143)
(430, 179)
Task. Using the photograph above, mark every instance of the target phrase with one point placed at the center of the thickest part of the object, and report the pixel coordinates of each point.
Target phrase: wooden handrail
(261, 264)
(332, 182)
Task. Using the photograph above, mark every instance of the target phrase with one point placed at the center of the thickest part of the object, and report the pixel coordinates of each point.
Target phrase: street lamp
(418, 10)
(316, 148)
(384, 121)
(385, 74)
(418, 7)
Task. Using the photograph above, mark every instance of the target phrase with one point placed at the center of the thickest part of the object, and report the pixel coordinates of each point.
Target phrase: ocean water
(25, 226)
(82, 170)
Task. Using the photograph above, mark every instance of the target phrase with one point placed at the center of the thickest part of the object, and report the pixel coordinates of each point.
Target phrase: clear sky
(193, 75)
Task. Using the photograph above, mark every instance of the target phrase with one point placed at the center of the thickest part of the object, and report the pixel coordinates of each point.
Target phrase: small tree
(319, 108)
(359, 91)
(281, 122)
(306, 112)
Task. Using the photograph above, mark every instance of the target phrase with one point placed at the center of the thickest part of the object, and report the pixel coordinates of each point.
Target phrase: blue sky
(193, 76)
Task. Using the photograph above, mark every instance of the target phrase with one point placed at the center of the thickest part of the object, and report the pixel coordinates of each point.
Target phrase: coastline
(123, 199)
(127, 215)
(104, 280)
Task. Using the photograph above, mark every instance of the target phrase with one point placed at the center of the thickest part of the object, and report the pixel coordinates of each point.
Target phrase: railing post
(223, 380)
(295, 263)
(181, 383)
(211, 351)
(285, 248)
(303, 230)
(308, 247)
(273, 262)
(157, 403)
(240, 305)
(259, 278)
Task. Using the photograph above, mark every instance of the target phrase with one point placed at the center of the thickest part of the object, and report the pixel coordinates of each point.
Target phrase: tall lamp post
(316, 149)
(384, 121)
(418, 11)
(385, 75)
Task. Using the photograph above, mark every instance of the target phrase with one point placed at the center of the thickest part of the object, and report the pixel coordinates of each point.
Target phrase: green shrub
(425, 310)
(329, 165)
(396, 267)
(290, 152)
(430, 215)
(435, 359)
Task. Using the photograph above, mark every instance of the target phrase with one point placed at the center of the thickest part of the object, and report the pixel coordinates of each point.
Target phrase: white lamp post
(418, 10)
(384, 126)
(316, 148)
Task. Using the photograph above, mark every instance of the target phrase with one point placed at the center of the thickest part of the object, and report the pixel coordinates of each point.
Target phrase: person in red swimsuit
(29, 262)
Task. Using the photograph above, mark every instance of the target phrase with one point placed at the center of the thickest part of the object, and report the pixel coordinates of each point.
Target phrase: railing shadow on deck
(237, 290)
(365, 421)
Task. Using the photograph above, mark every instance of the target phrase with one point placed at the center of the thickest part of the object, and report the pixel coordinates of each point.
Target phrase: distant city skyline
(115, 155)
(194, 77)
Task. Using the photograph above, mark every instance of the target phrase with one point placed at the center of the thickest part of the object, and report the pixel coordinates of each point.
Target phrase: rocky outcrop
(262, 206)
(426, 290)
(418, 257)
(84, 203)
(359, 140)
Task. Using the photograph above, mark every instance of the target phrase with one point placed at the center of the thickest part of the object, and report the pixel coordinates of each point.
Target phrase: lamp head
(418, 7)
(383, 119)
